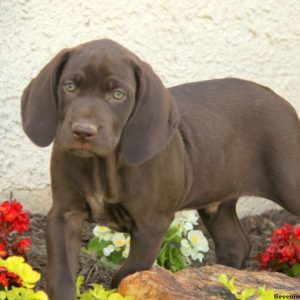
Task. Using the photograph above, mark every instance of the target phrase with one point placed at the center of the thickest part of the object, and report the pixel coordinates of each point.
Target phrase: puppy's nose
(84, 131)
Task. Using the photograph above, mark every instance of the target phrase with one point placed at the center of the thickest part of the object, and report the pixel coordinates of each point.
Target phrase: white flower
(195, 236)
(191, 216)
(100, 230)
(198, 240)
(197, 255)
(125, 253)
(185, 248)
(108, 250)
(189, 251)
(185, 243)
(186, 221)
(187, 226)
(180, 223)
(177, 222)
(119, 240)
(106, 237)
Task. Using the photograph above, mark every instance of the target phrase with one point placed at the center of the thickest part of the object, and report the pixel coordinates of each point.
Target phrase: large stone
(201, 283)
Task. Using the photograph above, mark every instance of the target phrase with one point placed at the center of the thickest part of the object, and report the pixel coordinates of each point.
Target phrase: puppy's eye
(69, 86)
(118, 95)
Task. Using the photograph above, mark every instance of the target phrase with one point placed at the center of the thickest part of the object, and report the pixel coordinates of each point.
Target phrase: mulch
(259, 229)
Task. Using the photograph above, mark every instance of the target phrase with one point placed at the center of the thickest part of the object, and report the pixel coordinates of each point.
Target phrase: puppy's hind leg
(290, 200)
(231, 243)
(284, 182)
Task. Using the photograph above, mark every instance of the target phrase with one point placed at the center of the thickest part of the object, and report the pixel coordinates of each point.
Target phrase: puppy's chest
(112, 215)
(101, 191)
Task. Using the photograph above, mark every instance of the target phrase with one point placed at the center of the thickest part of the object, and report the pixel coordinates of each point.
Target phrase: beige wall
(184, 41)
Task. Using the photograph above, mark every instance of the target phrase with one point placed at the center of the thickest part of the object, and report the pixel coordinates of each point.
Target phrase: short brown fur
(132, 163)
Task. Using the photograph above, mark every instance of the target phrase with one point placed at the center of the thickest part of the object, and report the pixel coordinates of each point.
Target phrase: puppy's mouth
(87, 150)
(82, 153)
(101, 145)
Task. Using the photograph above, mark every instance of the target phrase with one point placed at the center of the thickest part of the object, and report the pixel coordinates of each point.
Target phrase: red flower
(13, 222)
(3, 251)
(288, 251)
(9, 279)
(284, 250)
(3, 279)
(14, 279)
(4, 206)
(282, 234)
(16, 205)
(264, 259)
(297, 232)
(21, 223)
(24, 245)
(10, 215)
(2, 269)
(272, 249)
(298, 252)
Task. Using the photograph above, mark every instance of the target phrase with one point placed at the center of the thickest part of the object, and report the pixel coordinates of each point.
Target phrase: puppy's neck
(102, 194)
(111, 178)
(105, 178)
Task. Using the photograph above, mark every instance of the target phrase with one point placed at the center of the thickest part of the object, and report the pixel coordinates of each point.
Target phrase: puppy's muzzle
(84, 131)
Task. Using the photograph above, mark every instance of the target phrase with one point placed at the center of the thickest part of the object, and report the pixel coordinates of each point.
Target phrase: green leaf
(84, 250)
(177, 260)
(223, 278)
(296, 269)
(288, 271)
(93, 245)
(97, 245)
(170, 256)
(109, 263)
(247, 293)
(115, 296)
(116, 257)
(265, 294)
(237, 295)
(176, 239)
(272, 262)
(231, 285)
(171, 234)
(79, 282)
(2, 295)
(12, 294)
(162, 255)
(97, 292)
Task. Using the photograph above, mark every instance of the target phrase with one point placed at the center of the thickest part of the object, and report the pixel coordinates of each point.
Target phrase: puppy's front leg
(146, 240)
(63, 238)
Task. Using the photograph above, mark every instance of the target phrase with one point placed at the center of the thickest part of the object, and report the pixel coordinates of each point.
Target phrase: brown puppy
(128, 153)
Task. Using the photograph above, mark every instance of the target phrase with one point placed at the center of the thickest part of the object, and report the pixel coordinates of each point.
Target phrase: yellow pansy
(17, 265)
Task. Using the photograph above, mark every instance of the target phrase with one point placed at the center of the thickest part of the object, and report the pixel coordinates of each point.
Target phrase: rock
(201, 283)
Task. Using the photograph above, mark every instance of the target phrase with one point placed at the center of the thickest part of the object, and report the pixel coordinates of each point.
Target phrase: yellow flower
(40, 295)
(17, 265)
(119, 240)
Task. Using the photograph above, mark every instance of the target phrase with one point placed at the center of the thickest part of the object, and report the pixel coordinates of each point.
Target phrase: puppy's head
(96, 97)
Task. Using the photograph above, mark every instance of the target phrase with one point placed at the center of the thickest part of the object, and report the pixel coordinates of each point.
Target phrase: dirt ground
(259, 229)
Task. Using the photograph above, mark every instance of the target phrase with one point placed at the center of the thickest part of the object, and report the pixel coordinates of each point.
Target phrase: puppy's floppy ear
(39, 102)
(154, 119)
